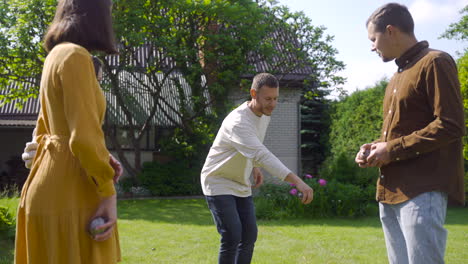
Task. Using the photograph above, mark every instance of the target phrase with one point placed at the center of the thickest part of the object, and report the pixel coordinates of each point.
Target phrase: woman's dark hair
(392, 14)
(87, 23)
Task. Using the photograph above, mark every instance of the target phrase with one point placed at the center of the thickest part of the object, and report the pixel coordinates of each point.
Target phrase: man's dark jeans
(236, 223)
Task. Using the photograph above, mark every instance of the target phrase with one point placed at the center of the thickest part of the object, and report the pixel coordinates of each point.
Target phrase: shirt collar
(410, 55)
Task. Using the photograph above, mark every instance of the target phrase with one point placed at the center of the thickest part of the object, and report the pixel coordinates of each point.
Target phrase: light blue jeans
(414, 230)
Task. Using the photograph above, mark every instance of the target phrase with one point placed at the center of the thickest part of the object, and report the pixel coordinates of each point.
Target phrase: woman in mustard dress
(71, 179)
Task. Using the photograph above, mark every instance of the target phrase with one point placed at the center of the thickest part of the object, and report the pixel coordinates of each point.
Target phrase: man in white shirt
(236, 152)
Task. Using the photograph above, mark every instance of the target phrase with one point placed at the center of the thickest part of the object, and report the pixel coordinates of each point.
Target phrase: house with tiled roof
(282, 138)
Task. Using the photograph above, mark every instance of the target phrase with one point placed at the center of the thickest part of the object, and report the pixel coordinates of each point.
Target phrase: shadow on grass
(182, 211)
(7, 247)
(196, 212)
(457, 216)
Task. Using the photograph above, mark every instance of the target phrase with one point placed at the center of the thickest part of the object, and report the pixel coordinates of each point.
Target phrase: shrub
(7, 219)
(342, 168)
(272, 201)
(127, 188)
(7, 223)
(466, 188)
(169, 179)
(187, 150)
(356, 119)
(331, 198)
(15, 174)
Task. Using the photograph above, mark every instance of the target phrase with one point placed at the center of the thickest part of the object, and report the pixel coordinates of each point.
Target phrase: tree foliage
(459, 31)
(357, 119)
(315, 124)
(313, 49)
(202, 43)
(462, 64)
(22, 26)
(209, 45)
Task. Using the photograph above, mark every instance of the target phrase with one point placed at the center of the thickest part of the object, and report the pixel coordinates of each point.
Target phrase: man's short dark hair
(264, 79)
(87, 23)
(392, 14)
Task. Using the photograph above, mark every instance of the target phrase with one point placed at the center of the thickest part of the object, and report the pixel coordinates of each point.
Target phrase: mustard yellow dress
(71, 170)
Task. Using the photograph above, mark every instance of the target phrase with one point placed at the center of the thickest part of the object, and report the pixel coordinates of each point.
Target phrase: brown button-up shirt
(423, 127)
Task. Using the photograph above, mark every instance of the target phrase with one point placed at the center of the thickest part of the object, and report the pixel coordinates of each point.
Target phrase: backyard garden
(181, 230)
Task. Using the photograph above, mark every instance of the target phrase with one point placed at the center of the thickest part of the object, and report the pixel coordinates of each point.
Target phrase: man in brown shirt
(419, 152)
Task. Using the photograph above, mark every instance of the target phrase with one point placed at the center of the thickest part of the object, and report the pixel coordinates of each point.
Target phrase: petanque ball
(363, 154)
(98, 221)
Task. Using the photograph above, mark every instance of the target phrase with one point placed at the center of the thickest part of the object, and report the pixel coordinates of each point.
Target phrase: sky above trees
(346, 21)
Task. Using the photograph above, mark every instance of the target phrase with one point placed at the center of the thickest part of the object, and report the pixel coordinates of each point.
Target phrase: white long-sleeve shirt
(238, 147)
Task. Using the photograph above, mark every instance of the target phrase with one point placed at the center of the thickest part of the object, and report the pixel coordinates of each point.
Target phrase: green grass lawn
(182, 231)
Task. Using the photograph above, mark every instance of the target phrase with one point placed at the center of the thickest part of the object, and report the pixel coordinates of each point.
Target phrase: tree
(184, 41)
(312, 49)
(315, 124)
(206, 46)
(22, 26)
(459, 31)
(462, 64)
(357, 119)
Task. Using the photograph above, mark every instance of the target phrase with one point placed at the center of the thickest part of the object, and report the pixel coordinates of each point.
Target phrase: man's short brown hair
(264, 79)
(392, 14)
(87, 23)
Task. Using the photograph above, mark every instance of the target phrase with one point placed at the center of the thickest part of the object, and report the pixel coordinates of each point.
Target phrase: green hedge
(7, 223)
(170, 179)
(466, 189)
(330, 199)
(344, 169)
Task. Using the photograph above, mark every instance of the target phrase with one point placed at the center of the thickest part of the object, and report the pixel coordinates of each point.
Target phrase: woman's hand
(117, 168)
(108, 210)
(29, 153)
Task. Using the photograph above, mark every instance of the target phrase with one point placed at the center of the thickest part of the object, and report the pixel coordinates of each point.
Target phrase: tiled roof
(168, 102)
(24, 116)
(17, 122)
(166, 112)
